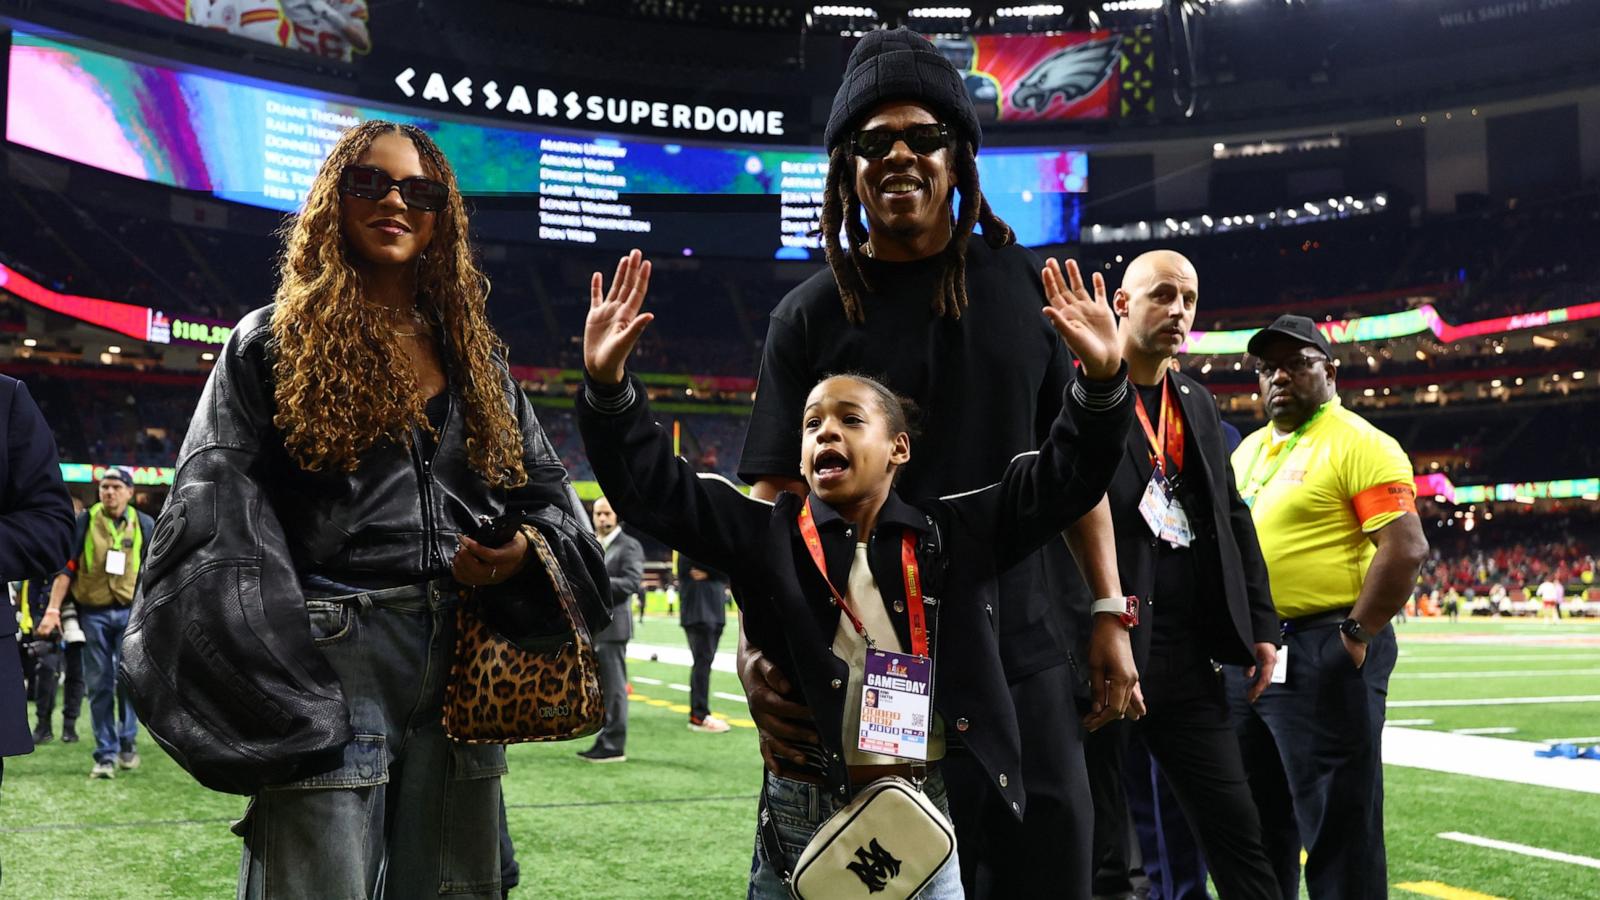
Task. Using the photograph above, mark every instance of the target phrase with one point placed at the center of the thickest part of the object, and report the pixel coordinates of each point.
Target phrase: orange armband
(1398, 496)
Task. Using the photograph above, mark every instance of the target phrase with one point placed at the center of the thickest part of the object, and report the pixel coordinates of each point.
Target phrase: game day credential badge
(895, 705)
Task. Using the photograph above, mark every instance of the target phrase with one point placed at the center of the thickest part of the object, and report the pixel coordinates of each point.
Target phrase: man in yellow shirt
(1334, 506)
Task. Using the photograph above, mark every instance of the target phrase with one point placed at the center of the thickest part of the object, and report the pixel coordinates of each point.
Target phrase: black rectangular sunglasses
(922, 139)
(373, 183)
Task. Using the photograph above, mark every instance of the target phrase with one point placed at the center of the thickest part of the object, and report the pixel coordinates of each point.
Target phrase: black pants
(703, 640)
(47, 677)
(1189, 735)
(1313, 747)
(1048, 854)
(1168, 852)
(1103, 753)
(612, 657)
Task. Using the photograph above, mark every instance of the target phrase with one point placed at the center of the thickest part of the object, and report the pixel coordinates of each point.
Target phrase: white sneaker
(103, 770)
(710, 725)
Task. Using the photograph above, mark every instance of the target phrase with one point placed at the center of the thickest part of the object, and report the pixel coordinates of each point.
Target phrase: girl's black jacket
(964, 542)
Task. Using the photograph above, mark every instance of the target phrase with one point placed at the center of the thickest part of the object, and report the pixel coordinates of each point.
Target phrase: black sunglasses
(373, 183)
(922, 139)
(1294, 365)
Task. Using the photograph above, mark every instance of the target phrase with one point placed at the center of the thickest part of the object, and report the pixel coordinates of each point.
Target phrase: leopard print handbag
(502, 693)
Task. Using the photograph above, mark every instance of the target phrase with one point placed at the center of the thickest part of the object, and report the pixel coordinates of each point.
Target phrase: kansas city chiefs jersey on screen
(259, 20)
(336, 29)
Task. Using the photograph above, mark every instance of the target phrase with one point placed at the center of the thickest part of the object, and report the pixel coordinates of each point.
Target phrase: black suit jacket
(1232, 597)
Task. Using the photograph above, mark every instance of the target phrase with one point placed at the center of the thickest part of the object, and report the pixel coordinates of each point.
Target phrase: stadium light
(847, 12)
(1132, 5)
(1025, 12)
(1577, 376)
(113, 349)
(30, 342)
(940, 12)
(208, 356)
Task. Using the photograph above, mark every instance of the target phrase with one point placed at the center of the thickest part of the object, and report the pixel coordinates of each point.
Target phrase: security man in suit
(625, 567)
(1186, 547)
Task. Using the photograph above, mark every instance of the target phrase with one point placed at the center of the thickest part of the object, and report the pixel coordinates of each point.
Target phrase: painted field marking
(1444, 891)
(736, 698)
(1492, 758)
(1577, 740)
(640, 679)
(1409, 723)
(1519, 673)
(682, 708)
(1524, 849)
(1496, 701)
(1499, 729)
(679, 687)
(1552, 656)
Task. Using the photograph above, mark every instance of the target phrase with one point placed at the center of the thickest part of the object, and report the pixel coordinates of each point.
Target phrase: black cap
(900, 64)
(118, 473)
(1298, 328)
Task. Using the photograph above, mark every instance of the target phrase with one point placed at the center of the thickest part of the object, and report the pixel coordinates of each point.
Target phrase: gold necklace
(421, 323)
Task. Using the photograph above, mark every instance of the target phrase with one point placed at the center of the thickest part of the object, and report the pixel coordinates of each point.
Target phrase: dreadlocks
(842, 208)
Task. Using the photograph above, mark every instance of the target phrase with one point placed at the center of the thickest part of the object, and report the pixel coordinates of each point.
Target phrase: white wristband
(1113, 605)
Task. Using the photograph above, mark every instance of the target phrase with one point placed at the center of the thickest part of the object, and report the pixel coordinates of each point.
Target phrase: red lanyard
(1170, 438)
(915, 612)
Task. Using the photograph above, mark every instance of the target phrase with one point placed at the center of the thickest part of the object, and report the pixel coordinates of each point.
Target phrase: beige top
(863, 596)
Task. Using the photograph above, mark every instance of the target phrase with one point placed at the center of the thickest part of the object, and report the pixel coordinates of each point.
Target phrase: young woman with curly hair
(350, 435)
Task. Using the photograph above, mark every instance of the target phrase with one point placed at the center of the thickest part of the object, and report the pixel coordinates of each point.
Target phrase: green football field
(677, 819)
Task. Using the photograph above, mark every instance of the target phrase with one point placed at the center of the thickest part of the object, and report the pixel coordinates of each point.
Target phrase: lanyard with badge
(1249, 485)
(1160, 506)
(897, 689)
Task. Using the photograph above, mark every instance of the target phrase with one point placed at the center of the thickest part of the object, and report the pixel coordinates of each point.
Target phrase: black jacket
(218, 650)
(1232, 593)
(701, 603)
(964, 542)
(35, 509)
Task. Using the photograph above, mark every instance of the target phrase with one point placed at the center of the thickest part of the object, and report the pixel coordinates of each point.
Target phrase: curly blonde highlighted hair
(343, 383)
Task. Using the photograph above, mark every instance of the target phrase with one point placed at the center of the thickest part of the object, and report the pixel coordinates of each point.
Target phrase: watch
(1126, 609)
(1354, 631)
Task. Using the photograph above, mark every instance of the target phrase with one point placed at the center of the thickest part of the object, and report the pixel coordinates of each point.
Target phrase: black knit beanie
(900, 65)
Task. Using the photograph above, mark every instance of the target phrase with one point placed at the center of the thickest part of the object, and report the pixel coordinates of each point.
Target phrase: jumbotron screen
(260, 143)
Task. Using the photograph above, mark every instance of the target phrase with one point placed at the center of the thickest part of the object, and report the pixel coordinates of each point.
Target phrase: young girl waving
(854, 586)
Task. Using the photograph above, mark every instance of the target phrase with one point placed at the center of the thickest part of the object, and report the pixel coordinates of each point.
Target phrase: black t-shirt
(987, 386)
(1176, 601)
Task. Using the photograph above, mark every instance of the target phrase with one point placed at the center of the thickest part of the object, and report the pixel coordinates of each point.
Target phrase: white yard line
(736, 698)
(640, 679)
(1519, 673)
(679, 656)
(1493, 758)
(1408, 723)
(1495, 701)
(1554, 655)
(679, 687)
(1576, 740)
(1498, 729)
(1523, 849)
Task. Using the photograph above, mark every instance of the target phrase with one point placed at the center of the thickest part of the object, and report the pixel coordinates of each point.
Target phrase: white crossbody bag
(888, 843)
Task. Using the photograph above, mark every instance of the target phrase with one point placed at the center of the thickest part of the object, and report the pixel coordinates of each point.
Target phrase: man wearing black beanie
(954, 324)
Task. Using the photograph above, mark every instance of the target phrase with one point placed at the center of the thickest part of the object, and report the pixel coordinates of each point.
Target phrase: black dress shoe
(42, 736)
(69, 734)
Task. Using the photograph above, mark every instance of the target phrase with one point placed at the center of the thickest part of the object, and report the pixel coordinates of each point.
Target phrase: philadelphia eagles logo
(1070, 73)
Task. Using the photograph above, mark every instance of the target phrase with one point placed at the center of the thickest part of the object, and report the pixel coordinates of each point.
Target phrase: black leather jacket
(218, 650)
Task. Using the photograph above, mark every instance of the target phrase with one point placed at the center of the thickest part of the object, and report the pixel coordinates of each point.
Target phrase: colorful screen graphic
(336, 29)
(1035, 77)
(1396, 325)
(261, 144)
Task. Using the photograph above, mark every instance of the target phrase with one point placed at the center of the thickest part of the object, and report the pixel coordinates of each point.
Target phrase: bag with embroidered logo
(889, 842)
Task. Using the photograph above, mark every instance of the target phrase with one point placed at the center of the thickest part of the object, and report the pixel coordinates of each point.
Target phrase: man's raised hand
(1085, 322)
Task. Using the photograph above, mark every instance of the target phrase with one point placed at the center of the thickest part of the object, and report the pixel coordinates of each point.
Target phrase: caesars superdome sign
(593, 106)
